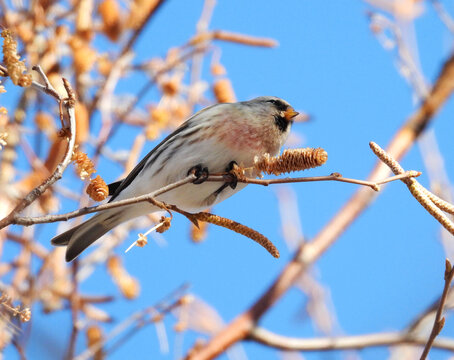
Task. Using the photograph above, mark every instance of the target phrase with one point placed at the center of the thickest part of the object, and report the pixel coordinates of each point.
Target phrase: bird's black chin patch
(281, 122)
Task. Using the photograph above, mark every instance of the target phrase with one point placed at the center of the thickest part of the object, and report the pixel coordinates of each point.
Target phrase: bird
(210, 141)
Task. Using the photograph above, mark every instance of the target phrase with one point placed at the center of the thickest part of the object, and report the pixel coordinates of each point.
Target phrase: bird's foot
(231, 179)
(201, 173)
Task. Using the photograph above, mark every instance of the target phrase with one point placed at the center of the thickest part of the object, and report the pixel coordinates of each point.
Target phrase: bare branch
(343, 342)
(417, 190)
(225, 178)
(57, 174)
(439, 321)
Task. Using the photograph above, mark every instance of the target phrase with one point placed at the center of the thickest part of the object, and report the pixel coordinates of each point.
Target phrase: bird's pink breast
(239, 135)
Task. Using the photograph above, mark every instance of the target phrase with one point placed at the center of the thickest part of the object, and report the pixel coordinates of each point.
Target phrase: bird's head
(279, 110)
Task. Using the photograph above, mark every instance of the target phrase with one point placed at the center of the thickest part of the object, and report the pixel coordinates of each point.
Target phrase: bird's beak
(290, 113)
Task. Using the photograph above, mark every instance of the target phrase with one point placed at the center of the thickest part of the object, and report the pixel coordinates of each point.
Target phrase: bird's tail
(81, 236)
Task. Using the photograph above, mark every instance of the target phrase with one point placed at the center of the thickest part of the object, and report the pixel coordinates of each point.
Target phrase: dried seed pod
(291, 160)
(198, 234)
(110, 14)
(3, 136)
(152, 132)
(180, 112)
(82, 122)
(84, 20)
(128, 286)
(142, 240)
(104, 65)
(171, 87)
(97, 189)
(44, 121)
(15, 66)
(223, 91)
(84, 166)
(25, 31)
(84, 56)
(240, 229)
(94, 338)
(165, 224)
(160, 115)
(218, 70)
(140, 10)
(55, 155)
(25, 315)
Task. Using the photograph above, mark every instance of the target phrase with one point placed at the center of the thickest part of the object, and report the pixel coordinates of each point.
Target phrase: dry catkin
(15, 66)
(110, 14)
(128, 285)
(291, 160)
(223, 91)
(94, 339)
(84, 166)
(97, 189)
(239, 228)
(165, 224)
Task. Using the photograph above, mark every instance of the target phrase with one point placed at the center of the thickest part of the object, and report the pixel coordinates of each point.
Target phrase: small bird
(212, 140)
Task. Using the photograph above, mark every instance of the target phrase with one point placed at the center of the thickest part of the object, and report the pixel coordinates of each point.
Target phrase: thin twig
(137, 321)
(343, 342)
(443, 15)
(57, 174)
(215, 177)
(88, 210)
(420, 193)
(439, 321)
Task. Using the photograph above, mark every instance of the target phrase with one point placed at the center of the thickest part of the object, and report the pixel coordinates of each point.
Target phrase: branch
(150, 197)
(343, 342)
(224, 178)
(439, 322)
(432, 203)
(138, 321)
(69, 104)
(308, 253)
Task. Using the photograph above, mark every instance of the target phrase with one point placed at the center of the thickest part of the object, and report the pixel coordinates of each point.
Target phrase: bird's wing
(114, 186)
(119, 186)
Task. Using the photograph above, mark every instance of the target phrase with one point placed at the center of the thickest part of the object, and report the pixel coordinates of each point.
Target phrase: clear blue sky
(387, 267)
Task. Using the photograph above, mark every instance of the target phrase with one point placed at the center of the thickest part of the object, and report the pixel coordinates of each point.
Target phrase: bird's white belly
(194, 198)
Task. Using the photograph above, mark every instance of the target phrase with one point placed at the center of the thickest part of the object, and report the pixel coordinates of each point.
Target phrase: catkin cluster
(11, 59)
(165, 221)
(291, 160)
(240, 229)
(97, 189)
(84, 166)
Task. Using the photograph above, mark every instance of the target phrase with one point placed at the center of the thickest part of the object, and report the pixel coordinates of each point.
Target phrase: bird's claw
(201, 173)
(231, 177)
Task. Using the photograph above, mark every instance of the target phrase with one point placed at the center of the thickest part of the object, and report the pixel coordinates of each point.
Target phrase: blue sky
(386, 268)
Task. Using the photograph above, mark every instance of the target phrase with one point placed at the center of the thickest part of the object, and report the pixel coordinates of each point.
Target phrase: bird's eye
(278, 104)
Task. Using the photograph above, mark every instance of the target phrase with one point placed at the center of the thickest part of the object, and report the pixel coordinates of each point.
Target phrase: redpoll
(211, 140)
